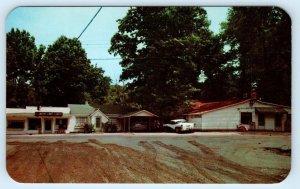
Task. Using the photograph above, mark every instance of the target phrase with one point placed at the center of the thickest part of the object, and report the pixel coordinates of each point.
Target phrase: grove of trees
(169, 57)
(166, 51)
(52, 76)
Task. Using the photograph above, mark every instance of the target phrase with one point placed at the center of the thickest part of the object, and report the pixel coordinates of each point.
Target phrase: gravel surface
(200, 157)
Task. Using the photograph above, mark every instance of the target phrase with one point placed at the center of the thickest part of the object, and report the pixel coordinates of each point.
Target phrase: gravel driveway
(211, 157)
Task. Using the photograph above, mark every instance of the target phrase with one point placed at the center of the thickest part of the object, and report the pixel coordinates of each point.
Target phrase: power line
(89, 23)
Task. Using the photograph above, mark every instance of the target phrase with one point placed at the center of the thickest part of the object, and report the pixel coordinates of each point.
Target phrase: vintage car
(179, 125)
(139, 126)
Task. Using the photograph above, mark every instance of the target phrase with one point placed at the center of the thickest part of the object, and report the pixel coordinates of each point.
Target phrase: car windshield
(181, 121)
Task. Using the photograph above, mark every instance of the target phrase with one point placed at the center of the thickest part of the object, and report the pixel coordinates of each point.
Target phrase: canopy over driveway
(141, 120)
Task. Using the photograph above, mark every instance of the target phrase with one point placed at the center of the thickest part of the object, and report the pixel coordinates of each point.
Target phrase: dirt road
(150, 159)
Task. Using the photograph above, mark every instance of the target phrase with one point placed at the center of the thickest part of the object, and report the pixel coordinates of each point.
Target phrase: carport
(142, 116)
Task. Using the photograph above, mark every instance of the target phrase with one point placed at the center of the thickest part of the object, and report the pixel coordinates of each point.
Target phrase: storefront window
(62, 123)
(34, 123)
(15, 124)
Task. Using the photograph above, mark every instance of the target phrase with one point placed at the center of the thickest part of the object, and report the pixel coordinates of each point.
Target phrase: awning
(273, 110)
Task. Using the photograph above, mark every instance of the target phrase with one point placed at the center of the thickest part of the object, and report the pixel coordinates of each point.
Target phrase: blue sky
(46, 24)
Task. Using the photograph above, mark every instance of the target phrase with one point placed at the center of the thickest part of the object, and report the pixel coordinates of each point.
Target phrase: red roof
(199, 107)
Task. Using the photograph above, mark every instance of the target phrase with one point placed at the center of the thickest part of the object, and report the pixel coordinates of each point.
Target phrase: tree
(69, 76)
(117, 95)
(260, 38)
(162, 52)
(20, 55)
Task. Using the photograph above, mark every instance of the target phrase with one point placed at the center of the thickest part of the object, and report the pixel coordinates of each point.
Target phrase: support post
(129, 124)
(42, 125)
(53, 125)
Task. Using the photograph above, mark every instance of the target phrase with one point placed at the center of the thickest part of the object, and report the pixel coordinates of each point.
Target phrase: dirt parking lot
(150, 158)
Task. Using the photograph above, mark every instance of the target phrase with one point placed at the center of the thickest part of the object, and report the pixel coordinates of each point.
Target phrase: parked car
(139, 126)
(179, 125)
(246, 127)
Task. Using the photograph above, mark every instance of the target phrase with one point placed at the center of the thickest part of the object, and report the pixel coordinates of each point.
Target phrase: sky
(46, 24)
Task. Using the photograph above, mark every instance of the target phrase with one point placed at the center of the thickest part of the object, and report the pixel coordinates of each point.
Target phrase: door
(98, 122)
(48, 123)
(246, 117)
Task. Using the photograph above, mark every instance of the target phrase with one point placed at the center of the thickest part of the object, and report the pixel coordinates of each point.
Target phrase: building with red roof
(230, 114)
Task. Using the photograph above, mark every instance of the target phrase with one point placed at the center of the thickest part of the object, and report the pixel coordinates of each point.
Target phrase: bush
(110, 128)
(88, 128)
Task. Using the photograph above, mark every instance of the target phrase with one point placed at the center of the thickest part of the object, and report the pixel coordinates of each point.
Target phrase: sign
(48, 113)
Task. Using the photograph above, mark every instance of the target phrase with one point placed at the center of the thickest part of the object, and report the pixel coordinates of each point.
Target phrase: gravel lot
(200, 157)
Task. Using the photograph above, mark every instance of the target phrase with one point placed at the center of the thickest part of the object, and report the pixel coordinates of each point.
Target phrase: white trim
(130, 115)
(98, 110)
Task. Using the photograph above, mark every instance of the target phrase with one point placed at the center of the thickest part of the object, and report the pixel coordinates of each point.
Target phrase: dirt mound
(97, 162)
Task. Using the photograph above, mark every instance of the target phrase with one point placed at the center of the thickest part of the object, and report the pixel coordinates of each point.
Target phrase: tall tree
(20, 56)
(69, 76)
(117, 95)
(162, 52)
(260, 37)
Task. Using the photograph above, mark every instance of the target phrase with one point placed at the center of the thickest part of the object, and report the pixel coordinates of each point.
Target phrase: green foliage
(161, 50)
(70, 76)
(21, 51)
(88, 128)
(55, 76)
(117, 95)
(260, 40)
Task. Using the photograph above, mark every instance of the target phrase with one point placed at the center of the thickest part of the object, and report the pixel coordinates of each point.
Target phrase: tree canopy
(20, 53)
(169, 58)
(70, 76)
(53, 76)
(260, 42)
(163, 51)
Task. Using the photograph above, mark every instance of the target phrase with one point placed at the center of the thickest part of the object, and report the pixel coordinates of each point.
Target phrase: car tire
(177, 130)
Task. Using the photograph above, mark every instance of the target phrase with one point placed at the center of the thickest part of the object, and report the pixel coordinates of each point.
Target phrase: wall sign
(48, 113)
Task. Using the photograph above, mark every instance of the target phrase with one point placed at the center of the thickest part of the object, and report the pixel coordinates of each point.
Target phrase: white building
(227, 115)
(33, 119)
(84, 113)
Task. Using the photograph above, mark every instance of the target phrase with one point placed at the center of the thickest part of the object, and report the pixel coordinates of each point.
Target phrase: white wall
(197, 121)
(72, 124)
(228, 118)
(98, 114)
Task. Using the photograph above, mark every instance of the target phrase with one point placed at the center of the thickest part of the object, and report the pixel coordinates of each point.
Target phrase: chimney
(253, 94)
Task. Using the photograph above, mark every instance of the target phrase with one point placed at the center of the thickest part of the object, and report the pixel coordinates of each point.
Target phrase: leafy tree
(117, 95)
(162, 52)
(20, 56)
(69, 76)
(260, 39)
(219, 73)
(55, 76)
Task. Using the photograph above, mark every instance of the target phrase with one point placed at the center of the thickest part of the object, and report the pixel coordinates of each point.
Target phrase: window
(261, 119)
(62, 123)
(246, 117)
(278, 120)
(34, 123)
(81, 120)
(15, 124)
